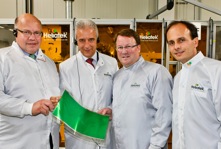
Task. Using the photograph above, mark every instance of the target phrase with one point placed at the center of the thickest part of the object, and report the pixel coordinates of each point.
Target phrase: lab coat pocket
(106, 78)
(199, 92)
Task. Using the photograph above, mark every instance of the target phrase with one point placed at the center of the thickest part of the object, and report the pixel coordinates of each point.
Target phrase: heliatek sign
(149, 37)
(55, 35)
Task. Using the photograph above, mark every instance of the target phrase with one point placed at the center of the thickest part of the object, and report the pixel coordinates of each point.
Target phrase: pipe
(210, 52)
(169, 6)
(201, 5)
(29, 6)
(68, 8)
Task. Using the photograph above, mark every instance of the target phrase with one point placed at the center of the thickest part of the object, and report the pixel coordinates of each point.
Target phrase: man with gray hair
(88, 76)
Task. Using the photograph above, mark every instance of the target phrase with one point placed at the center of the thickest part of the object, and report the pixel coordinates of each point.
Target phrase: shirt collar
(194, 60)
(36, 53)
(140, 60)
(94, 57)
(15, 44)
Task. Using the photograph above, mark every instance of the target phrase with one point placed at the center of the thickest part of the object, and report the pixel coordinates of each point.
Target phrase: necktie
(90, 60)
(32, 56)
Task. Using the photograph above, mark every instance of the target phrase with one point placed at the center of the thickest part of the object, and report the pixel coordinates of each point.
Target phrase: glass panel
(151, 41)
(106, 35)
(174, 68)
(202, 43)
(7, 36)
(218, 43)
(56, 42)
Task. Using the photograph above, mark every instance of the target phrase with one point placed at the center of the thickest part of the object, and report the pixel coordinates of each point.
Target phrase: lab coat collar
(194, 60)
(94, 57)
(100, 62)
(41, 56)
(17, 49)
(140, 60)
(20, 52)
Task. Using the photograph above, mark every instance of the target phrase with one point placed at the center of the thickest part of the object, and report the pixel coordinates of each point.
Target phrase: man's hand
(55, 100)
(106, 111)
(42, 106)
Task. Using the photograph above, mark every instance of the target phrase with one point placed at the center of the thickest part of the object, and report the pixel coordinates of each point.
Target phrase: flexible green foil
(81, 120)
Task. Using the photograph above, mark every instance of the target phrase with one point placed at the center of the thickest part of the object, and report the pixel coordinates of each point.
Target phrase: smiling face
(29, 44)
(181, 46)
(130, 53)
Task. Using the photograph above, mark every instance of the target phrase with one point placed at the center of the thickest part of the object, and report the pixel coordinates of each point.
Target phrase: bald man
(28, 79)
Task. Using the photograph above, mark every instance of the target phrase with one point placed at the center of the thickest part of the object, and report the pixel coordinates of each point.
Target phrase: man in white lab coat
(26, 86)
(196, 93)
(89, 84)
(142, 104)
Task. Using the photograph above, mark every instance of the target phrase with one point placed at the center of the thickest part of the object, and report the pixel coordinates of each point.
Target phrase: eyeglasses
(28, 33)
(120, 48)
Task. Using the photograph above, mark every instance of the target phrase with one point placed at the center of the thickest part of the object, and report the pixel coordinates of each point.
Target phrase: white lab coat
(22, 81)
(142, 106)
(197, 105)
(92, 88)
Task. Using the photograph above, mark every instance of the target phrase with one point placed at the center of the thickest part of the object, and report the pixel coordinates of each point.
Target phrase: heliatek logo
(135, 85)
(55, 35)
(149, 37)
(197, 87)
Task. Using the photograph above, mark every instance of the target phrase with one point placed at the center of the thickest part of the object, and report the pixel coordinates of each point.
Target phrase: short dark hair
(128, 33)
(191, 27)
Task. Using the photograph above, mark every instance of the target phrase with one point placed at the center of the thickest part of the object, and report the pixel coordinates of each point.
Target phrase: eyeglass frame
(28, 33)
(120, 48)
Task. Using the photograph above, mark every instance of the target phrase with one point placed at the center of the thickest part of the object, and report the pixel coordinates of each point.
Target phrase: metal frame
(169, 6)
(163, 38)
(215, 24)
(201, 5)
